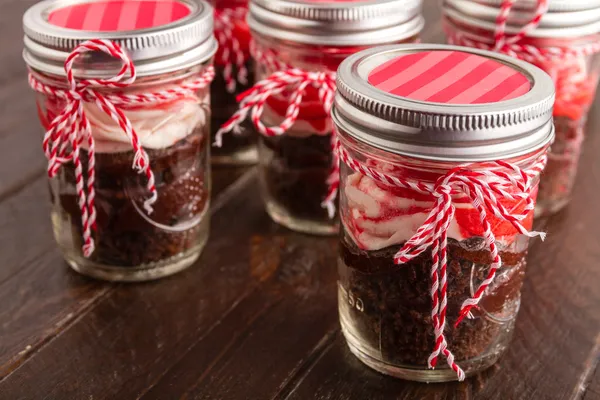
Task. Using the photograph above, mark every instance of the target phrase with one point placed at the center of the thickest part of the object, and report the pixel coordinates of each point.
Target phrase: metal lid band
(438, 131)
(365, 22)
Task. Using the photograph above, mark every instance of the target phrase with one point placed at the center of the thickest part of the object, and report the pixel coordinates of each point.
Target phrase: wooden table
(256, 317)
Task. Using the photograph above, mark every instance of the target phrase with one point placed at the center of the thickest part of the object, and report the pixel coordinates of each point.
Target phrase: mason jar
(565, 43)
(134, 90)
(234, 74)
(441, 149)
(295, 167)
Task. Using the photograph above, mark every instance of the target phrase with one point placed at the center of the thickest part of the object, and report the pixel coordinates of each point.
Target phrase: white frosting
(366, 201)
(157, 127)
(397, 231)
(364, 220)
(300, 128)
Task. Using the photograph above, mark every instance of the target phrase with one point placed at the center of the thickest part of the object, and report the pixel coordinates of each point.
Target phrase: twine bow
(293, 82)
(484, 188)
(68, 130)
(230, 50)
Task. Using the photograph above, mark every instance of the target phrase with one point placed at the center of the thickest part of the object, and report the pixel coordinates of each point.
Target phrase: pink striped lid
(450, 77)
(160, 36)
(119, 15)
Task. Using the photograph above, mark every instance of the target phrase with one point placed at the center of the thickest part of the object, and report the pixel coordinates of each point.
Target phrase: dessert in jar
(562, 38)
(297, 47)
(123, 94)
(441, 149)
(234, 74)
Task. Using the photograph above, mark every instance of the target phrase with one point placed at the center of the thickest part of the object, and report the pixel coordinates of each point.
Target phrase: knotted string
(68, 130)
(483, 187)
(292, 81)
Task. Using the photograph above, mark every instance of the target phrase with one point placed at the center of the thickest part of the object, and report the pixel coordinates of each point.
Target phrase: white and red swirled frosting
(378, 216)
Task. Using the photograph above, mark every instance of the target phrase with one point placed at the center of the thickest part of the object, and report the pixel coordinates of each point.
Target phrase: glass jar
(110, 220)
(295, 166)
(425, 158)
(234, 74)
(566, 48)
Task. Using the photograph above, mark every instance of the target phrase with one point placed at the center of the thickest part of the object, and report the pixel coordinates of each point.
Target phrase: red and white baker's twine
(510, 44)
(71, 127)
(292, 81)
(483, 186)
(231, 52)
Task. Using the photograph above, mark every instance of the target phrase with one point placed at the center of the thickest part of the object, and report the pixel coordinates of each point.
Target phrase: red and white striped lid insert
(451, 77)
(119, 15)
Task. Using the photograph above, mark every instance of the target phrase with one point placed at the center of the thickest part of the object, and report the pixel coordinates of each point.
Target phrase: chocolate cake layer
(297, 172)
(394, 301)
(125, 234)
(224, 105)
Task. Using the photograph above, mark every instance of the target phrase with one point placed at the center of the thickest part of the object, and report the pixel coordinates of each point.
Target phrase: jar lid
(443, 102)
(564, 18)
(335, 22)
(160, 36)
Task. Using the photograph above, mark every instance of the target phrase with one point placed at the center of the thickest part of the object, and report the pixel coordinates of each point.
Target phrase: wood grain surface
(592, 391)
(22, 159)
(256, 317)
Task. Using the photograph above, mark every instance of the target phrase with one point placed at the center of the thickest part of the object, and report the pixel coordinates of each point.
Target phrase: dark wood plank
(134, 334)
(592, 390)
(301, 317)
(236, 318)
(39, 294)
(337, 374)
(223, 177)
(20, 132)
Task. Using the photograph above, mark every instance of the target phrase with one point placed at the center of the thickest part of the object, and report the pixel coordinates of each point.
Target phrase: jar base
(423, 374)
(133, 274)
(248, 156)
(148, 271)
(548, 208)
(282, 217)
